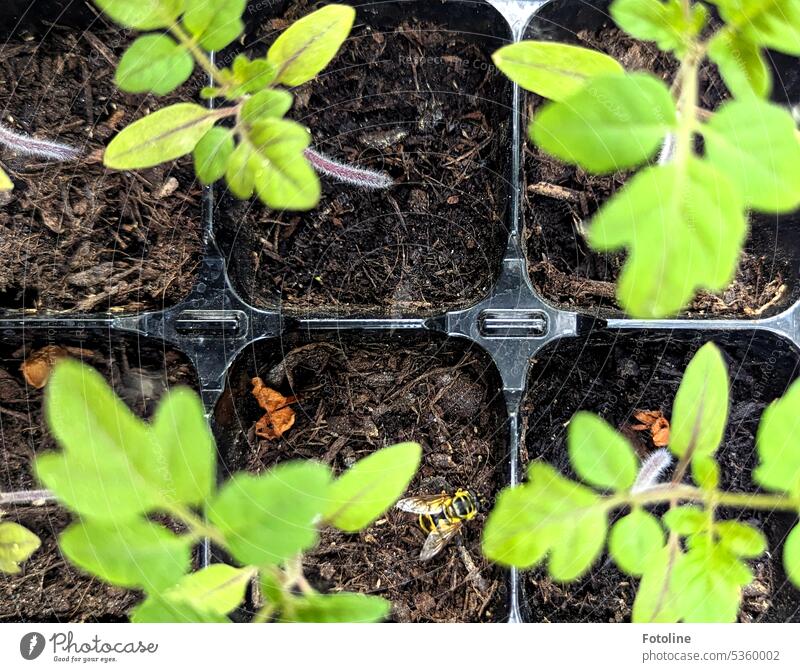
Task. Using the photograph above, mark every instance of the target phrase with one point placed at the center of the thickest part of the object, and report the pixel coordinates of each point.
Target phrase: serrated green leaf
(600, 455)
(791, 556)
(741, 64)
(663, 22)
(5, 181)
(111, 467)
(553, 70)
(635, 540)
(700, 411)
(214, 23)
(186, 445)
(17, 544)
(613, 123)
(755, 144)
(142, 14)
(154, 63)
(310, 43)
(339, 608)
(269, 519)
(368, 488)
(159, 137)
(686, 520)
(212, 154)
(778, 444)
(134, 554)
(216, 589)
(268, 103)
(549, 514)
(684, 232)
(742, 540)
(158, 609)
(657, 598)
(251, 76)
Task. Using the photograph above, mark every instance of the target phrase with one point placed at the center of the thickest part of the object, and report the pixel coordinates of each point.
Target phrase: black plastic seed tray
(534, 352)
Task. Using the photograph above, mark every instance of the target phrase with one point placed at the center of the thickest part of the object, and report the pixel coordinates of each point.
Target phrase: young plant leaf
(17, 544)
(700, 411)
(550, 514)
(154, 63)
(212, 154)
(186, 445)
(741, 64)
(635, 540)
(160, 609)
(111, 467)
(368, 488)
(265, 104)
(240, 173)
(269, 519)
(791, 556)
(755, 144)
(142, 14)
(599, 454)
(686, 520)
(779, 446)
(310, 43)
(710, 580)
(159, 137)
(684, 231)
(5, 181)
(214, 23)
(553, 70)
(612, 123)
(661, 21)
(339, 608)
(657, 598)
(133, 554)
(705, 472)
(744, 541)
(216, 589)
(770, 23)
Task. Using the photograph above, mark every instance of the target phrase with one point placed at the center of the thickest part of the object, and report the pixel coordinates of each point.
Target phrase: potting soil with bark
(49, 588)
(615, 377)
(355, 397)
(559, 201)
(422, 104)
(76, 236)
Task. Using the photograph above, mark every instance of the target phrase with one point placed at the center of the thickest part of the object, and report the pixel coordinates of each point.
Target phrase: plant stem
(196, 524)
(200, 56)
(713, 498)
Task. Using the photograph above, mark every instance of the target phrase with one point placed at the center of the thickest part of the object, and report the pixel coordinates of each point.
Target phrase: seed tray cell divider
(214, 324)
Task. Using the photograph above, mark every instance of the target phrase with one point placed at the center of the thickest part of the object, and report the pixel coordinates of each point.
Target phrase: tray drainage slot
(211, 322)
(511, 323)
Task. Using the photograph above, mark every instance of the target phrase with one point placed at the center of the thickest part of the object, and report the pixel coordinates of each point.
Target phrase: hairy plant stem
(662, 494)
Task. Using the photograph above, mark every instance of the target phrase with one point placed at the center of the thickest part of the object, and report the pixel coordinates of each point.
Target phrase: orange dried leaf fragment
(37, 368)
(278, 417)
(656, 424)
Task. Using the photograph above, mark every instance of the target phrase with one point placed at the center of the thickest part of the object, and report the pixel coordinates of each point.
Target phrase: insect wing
(438, 539)
(431, 504)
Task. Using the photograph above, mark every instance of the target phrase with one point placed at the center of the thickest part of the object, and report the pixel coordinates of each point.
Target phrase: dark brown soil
(615, 376)
(423, 104)
(355, 397)
(74, 236)
(49, 589)
(559, 201)
(22, 432)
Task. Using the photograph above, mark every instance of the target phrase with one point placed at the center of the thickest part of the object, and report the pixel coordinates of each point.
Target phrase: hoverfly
(441, 516)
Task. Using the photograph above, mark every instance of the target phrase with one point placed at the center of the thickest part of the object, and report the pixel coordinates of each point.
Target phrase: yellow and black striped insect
(441, 516)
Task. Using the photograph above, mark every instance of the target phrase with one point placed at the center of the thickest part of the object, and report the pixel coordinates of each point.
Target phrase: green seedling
(116, 471)
(683, 219)
(17, 544)
(28, 146)
(692, 564)
(247, 140)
